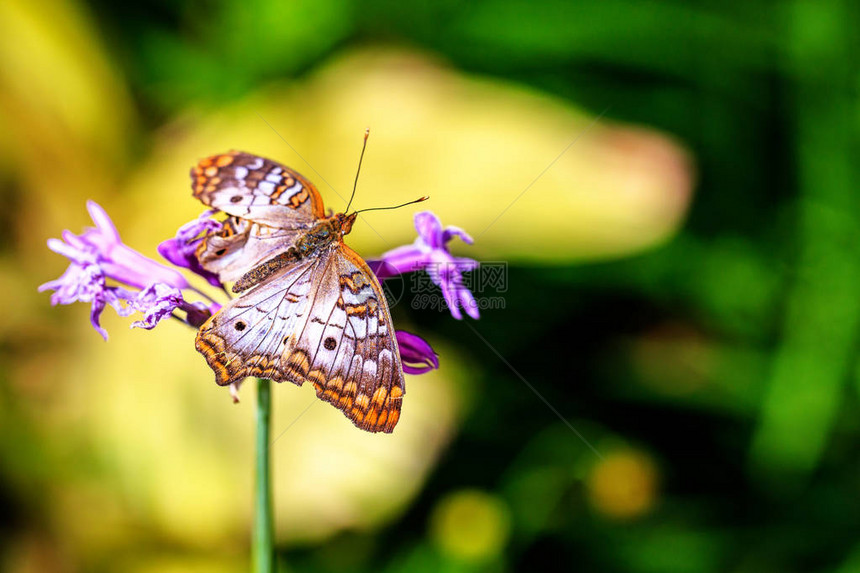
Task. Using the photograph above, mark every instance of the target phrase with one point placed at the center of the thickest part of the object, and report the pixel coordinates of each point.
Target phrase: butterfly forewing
(256, 189)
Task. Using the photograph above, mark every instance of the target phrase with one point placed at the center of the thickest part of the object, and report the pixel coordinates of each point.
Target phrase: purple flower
(430, 253)
(84, 281)
(416, 354)
(98, 255)
(382, 269)
(159, 301)
(182, 249)
(118, 261)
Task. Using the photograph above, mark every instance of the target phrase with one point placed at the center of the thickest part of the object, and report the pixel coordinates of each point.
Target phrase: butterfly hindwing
(350, 345)
(325, 321)
(256, 189)
(241, 245)
(250, 334)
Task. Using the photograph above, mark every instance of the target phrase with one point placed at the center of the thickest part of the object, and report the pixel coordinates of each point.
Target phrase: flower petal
(405, 259)
(429, 229)
(132, 268)
(95, 315)
(76, 242)
(465, 264)
(449, 291)
(416, 353)
(415, 370)
(156, 302)
(450, 232)
(196, 313)
(70, 252)
(382, 269)
(103, 222)
(181, 250)
(466, 299)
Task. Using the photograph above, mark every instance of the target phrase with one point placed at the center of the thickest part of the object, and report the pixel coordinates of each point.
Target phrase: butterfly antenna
(396, 206)
(357, 171)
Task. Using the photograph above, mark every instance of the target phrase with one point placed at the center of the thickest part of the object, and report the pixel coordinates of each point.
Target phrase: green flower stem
(263, 543)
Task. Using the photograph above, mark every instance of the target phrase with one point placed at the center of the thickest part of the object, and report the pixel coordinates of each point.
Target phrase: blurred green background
(672, 186)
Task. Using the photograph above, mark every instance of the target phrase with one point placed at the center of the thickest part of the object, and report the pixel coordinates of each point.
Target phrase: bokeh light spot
(624, 485)
(470, 525)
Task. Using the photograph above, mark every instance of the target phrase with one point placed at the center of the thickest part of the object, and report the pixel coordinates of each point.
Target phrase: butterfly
(310, 308)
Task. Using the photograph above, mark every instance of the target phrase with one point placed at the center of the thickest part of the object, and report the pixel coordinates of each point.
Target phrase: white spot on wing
(285, 196)
(357, 327)
(370, 369)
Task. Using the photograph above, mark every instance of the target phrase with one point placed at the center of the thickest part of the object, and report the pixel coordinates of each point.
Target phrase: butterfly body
(323, 235)
(310, 308)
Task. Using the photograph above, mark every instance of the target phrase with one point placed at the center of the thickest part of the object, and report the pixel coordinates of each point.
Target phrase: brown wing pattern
(249, 335)
(348, 349)
(325, 321)
(256, 189)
